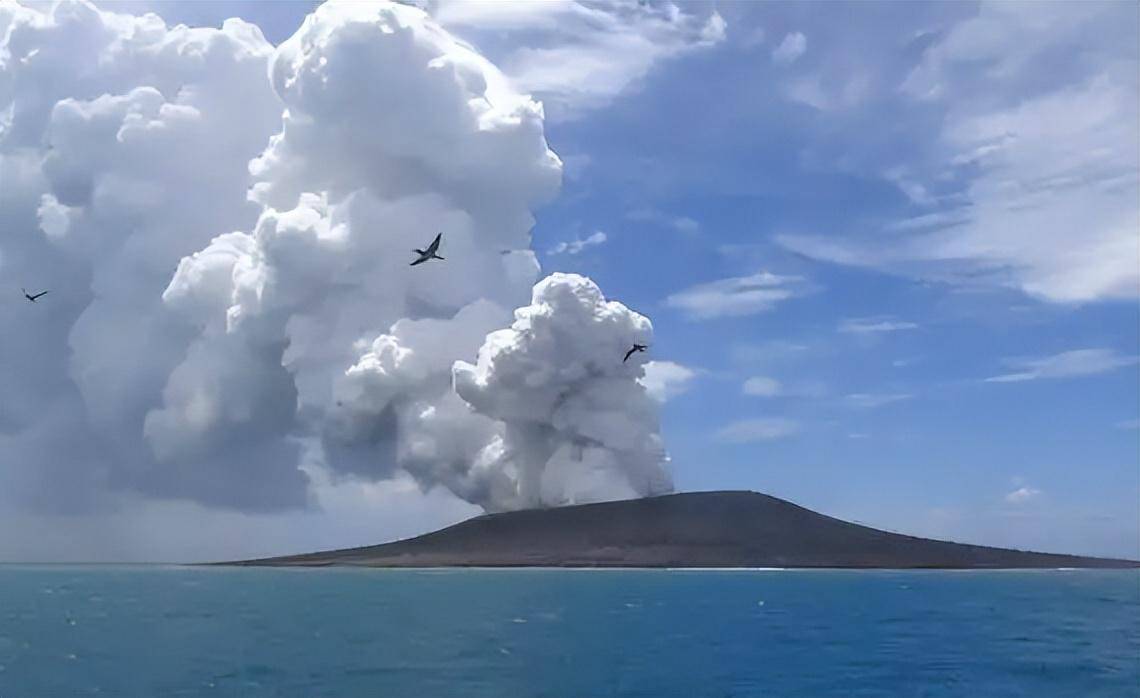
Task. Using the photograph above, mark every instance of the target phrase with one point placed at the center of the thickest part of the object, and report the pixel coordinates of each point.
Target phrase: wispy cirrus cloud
(682, 224)
(577, 245)
(738, 296)
(1028, 183)
(1067, 364)
(574, 55)
(774, 350)
(873, 400)
(757, 429)
(767, 387)
(762, 386)
(874, 325)
(790, 49)
(1022, 495)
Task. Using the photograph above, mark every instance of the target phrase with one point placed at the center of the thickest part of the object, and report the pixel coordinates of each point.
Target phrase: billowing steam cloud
(229, 262)
(577, 424)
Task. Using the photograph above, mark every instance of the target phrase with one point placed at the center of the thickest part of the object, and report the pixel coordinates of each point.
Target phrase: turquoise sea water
(170, 631)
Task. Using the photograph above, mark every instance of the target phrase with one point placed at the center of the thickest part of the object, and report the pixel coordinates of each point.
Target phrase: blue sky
(891, 252)
(882, 412)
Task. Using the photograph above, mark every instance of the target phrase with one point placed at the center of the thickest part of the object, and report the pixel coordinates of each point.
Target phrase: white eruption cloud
(226, 228)
(577, 423)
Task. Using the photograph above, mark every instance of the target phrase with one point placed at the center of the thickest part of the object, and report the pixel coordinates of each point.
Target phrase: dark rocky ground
(699, 529)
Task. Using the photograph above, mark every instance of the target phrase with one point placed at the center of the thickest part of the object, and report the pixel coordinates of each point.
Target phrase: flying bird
(634, 349)
(32, 298)
(429, 253)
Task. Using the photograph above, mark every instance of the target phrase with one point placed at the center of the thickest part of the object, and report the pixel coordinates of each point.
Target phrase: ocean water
(173, 631)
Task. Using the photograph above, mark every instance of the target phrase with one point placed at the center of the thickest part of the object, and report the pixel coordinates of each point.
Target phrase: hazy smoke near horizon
(232, 310)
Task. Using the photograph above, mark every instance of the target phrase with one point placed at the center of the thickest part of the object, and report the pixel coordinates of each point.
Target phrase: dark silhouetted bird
(429, 253)
(31, 297)
(634, 349)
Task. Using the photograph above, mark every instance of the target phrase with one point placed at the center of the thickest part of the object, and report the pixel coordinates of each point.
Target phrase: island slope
(698, 529)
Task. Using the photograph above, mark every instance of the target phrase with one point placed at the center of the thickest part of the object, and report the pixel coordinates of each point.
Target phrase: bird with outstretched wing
(429, 253)
(634, 349)
(32, 297)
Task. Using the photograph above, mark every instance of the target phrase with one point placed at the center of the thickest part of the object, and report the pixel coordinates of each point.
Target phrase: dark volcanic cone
(698, 529)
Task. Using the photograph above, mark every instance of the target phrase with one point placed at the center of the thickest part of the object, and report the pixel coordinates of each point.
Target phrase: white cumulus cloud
(124, 145)
(226, 229)
(666, 379)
